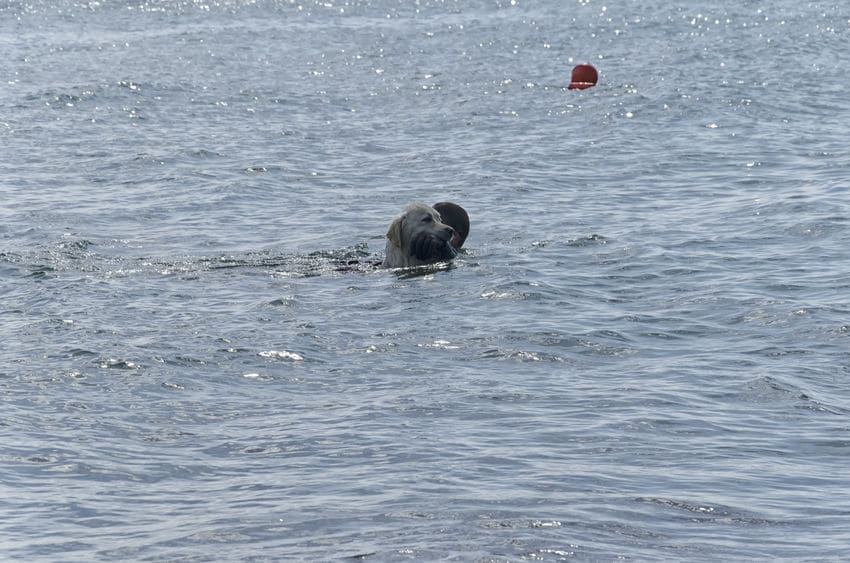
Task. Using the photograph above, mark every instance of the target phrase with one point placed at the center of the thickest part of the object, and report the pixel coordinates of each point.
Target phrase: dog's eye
(427, 219)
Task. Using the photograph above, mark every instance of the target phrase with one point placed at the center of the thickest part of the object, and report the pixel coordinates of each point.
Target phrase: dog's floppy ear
(394, 232)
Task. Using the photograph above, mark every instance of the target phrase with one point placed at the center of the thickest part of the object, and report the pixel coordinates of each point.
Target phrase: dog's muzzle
(429, 247)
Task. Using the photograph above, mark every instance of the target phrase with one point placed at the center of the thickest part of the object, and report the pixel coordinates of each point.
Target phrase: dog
(419, 237)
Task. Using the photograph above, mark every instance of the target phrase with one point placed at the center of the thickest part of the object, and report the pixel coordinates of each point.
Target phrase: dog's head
(420, 232)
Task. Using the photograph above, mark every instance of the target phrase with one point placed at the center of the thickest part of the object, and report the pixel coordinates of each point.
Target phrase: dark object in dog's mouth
(429, 247)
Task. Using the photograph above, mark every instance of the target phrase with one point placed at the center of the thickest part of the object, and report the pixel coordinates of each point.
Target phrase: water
(642, 354)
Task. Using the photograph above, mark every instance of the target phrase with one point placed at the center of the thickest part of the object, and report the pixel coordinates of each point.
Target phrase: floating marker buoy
(584, 76)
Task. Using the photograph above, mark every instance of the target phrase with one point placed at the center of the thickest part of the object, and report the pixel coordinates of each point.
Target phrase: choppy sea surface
(643, 352)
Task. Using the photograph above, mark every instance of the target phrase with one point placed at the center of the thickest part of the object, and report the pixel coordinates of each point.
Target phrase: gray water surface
(641, 354)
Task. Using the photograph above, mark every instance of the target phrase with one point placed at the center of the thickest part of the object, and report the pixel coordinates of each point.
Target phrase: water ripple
(640, 353)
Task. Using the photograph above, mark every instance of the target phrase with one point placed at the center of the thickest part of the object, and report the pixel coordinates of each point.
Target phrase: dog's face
(421, 235)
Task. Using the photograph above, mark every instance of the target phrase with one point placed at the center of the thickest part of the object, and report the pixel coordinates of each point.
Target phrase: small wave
(79, 255)
(281, 355)
(520, 290)
(769, 389)
(707, 512)
(520, 355)
(117, 363)
(589, 240)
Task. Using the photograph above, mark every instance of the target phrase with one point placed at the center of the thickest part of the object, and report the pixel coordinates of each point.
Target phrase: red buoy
(584, 76)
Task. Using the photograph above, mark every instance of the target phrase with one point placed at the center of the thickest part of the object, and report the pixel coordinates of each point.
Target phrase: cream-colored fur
(416, 219)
